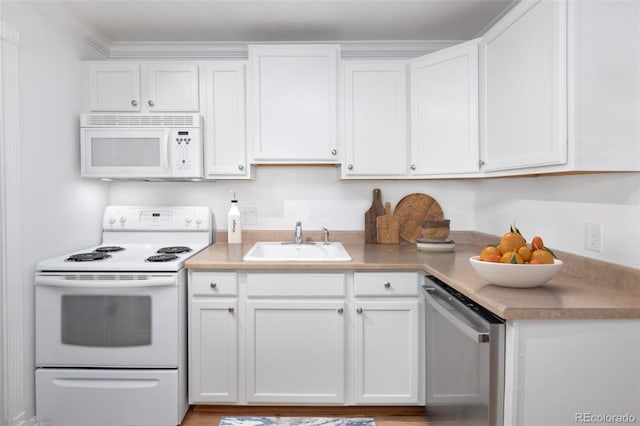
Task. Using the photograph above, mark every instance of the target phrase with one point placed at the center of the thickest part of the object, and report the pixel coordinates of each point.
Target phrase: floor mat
(295, 421)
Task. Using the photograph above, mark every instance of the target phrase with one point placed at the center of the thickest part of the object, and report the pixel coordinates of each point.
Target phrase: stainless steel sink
(278, 251)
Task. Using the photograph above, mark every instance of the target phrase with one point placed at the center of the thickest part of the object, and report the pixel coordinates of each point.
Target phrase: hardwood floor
(383, 416)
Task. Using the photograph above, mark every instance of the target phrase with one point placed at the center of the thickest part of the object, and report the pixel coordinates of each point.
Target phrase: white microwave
(141, 146)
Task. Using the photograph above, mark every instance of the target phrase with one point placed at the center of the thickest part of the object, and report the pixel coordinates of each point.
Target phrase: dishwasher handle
(467, 329)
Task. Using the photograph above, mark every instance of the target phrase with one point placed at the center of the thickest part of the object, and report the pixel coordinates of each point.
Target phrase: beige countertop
(585, 289)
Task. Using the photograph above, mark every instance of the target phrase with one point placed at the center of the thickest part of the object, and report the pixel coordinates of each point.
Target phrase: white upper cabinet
(114, 86)
(374, 125)
(561, 88)
(293, 103)
(147, 87)
(444, 111)
(224, 120)
(524, 87)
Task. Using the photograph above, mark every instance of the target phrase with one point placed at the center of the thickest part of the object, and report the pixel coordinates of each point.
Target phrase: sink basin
(276, 251)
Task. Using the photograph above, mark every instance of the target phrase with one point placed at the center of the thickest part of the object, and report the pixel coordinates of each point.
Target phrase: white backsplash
(554, 207)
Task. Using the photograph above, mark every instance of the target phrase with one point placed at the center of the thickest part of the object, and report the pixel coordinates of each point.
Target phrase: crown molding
(89, 35)
(239, 50)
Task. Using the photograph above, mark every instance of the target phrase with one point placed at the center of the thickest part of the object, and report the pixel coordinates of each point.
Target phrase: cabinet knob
(350, 167)
(232, 310)
(340, 310)
(359, 310)
(213, 285)
(387, 285)
(240, 166)
(334, 151)
(151, 103)
(413, 167)
(134, 103)
(481, 163)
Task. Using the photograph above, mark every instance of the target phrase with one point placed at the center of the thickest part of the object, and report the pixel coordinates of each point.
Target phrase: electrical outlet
(593, 237)
(249, 216)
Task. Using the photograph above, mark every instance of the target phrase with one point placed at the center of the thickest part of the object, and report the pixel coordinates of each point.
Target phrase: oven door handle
(467, 329)
(50, 281)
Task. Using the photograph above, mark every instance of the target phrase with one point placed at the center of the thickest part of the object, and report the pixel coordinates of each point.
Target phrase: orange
(511, 257)
(489, 251)
(511, 241)
(495, 258)
(536, 243)
(525, 253)
(542, 256)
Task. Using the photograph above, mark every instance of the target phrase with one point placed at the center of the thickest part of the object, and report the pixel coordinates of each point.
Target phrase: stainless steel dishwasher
(464, 358)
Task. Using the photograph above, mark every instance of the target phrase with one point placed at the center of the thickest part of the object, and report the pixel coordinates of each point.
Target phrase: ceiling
(141, 21)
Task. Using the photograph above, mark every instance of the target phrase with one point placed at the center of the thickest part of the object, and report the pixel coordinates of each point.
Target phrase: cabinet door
(170, 87)
(114, 86)
(213, 350)
(375, 118)
(224, 116)
(524, 88)
(293, 95)
(295, 351)
(386, 352)
(444, 111)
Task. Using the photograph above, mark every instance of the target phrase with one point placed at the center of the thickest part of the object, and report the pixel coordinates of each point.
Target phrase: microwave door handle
(468, 330)
(51, 281)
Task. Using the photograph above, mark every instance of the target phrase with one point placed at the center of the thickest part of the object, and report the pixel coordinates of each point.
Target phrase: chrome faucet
(325, 233)
(298, 234)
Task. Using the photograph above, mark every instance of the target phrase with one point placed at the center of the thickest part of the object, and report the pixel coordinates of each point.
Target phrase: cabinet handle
(240, 166)
(134, 102)
(151, 103)
(387, 285)
(359, 310)
(340, 310)
(334, 151)
(413, 167)
(232, 310)
(350, 167)
(213, 285)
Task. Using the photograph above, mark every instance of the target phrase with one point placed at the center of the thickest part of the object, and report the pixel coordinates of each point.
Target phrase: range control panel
(179, 218)
(186, 152)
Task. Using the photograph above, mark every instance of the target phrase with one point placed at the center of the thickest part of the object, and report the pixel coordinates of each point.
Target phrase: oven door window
(106, 321)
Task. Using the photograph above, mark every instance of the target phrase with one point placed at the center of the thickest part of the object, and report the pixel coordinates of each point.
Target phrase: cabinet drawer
(295, 285)
(386, 284)
(213, 284)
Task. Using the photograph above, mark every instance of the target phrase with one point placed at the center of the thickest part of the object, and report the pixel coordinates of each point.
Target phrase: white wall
(60, 211)
(554, 207)
(557, 208)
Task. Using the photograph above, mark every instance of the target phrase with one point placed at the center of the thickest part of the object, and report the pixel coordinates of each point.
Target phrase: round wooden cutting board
(414, 209)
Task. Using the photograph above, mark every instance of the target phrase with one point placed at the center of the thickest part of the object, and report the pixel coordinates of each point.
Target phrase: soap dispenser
(234, 230)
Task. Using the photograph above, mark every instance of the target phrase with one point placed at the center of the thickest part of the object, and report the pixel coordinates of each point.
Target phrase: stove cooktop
(127, 257)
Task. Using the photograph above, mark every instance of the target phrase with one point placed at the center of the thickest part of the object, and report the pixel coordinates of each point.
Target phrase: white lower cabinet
(213, 338)
(295, 351)
(386, 341)
(339, 338)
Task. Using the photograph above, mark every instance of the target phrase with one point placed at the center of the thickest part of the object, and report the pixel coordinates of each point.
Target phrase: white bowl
(516, 276)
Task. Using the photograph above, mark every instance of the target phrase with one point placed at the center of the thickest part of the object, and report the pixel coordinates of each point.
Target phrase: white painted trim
(239, 50)
(11, 285)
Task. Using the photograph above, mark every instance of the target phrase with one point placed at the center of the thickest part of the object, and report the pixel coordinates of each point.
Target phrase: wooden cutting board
(388, 227)
(414, 209)
(376, 209)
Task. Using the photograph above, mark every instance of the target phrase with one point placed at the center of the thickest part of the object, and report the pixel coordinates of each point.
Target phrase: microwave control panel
(186, 152)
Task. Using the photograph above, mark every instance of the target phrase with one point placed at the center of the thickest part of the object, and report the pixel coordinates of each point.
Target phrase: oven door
(125, 153)
(108, 320)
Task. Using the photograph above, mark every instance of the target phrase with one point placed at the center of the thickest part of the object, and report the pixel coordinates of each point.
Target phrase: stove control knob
(188, 220)
(199, 221)
(123, 219)
(112, 220)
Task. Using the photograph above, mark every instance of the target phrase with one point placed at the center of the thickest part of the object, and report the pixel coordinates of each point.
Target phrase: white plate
(436, 246)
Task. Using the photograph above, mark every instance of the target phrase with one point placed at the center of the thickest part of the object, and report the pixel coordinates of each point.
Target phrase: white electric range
(111, 321)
